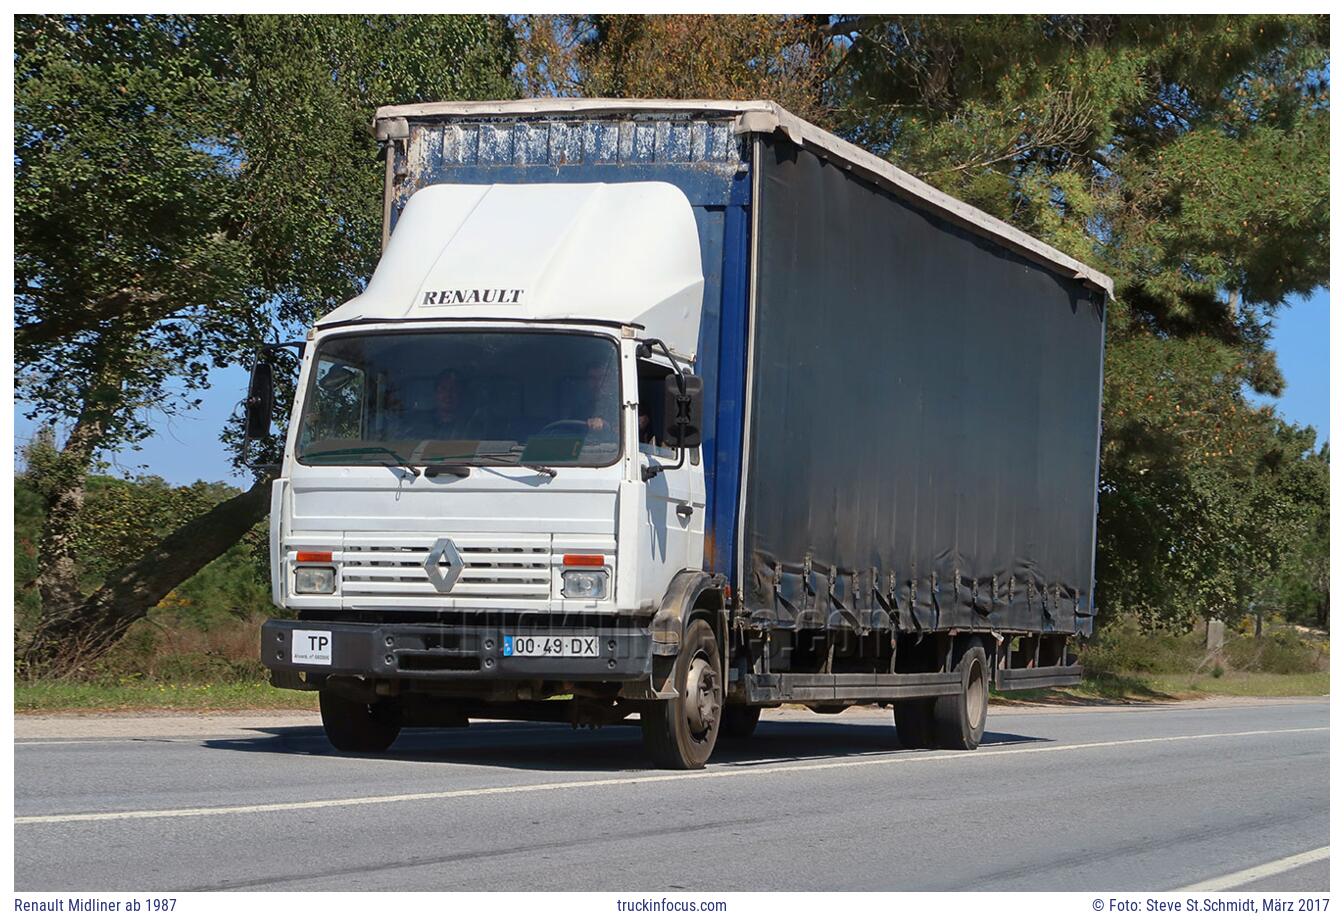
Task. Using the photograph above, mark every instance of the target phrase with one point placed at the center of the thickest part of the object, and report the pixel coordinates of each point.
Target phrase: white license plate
(310, 647)
(550, 647)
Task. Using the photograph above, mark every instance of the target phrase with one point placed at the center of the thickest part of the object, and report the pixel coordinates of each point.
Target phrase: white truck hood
(627, 253)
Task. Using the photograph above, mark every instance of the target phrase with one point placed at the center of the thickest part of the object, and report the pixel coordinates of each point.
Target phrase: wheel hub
(702, 697)
(977, 696)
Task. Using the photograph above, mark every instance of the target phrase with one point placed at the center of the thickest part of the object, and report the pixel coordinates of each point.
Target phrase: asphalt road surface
(1105, 798)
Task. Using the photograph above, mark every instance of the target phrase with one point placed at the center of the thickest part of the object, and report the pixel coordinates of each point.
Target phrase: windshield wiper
(514, 458)
(343, 451)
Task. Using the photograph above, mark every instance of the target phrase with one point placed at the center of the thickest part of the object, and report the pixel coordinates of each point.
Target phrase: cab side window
(652, 377)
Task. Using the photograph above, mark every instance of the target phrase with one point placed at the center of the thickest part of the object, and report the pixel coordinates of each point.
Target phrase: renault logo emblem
(443, 565)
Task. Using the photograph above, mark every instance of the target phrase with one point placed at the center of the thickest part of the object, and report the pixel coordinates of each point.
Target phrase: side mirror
(260, 400)
(683, 413)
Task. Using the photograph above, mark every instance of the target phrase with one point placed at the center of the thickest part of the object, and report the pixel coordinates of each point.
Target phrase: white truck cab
(480, 479)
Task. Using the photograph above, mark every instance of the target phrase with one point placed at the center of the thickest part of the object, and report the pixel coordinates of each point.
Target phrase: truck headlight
(584, 583)
(312, 579)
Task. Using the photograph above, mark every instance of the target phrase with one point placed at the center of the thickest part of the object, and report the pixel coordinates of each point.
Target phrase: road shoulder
(242, 723)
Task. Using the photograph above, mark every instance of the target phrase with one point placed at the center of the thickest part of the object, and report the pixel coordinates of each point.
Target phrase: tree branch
(115, 307)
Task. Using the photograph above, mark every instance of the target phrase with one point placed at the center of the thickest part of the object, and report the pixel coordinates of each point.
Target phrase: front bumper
(434, 652)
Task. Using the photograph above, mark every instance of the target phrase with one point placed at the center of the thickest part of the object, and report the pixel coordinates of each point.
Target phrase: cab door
(673, 525)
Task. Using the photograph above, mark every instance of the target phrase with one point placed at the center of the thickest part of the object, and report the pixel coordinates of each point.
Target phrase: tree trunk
(57, 582)
(63, 643)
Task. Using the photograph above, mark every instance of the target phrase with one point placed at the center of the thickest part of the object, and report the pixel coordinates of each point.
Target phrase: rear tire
(679, 734)
(361, 728)
(739, 721)
(914, 722)
(959, 721)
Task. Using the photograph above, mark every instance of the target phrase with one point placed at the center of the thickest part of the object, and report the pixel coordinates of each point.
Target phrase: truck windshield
(485, 398)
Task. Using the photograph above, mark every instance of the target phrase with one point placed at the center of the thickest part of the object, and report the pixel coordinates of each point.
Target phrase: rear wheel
(914, 722)
(959, 721)
(739, 721)
(679, 734)
(365, 728)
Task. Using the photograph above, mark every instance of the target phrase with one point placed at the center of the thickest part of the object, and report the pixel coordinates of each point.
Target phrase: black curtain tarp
(924, 415)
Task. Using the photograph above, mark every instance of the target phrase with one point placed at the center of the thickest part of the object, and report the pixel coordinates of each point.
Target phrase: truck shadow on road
(559, 748)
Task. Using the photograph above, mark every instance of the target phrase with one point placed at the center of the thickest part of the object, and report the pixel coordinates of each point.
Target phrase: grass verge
(1156, 688)
(76, 696)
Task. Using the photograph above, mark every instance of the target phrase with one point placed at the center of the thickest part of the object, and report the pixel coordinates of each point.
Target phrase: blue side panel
(723, 453)
(703, 158)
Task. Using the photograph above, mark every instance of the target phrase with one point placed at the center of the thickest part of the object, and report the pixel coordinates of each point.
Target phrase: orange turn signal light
(580, 560)
(310, 556)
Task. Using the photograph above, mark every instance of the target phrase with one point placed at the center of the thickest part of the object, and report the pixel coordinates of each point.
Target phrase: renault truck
(677, 410)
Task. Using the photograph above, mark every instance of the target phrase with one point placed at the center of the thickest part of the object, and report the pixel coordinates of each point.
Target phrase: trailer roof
(764, 117)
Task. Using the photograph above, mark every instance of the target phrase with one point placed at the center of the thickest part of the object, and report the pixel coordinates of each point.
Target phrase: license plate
(550, 647)
(310, 647)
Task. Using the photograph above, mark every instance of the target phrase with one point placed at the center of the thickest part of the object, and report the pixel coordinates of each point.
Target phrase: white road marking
(312, 732)
(1255, 873)
(643, 779)
(93, 741)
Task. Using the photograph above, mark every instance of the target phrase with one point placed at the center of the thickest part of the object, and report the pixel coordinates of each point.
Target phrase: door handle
(684, 510)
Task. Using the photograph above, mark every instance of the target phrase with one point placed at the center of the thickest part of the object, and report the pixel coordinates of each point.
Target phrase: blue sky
(187, 448)
(1302, 340)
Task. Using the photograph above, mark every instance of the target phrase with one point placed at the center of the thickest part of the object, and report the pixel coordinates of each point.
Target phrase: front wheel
(679, 734)
(362, 728)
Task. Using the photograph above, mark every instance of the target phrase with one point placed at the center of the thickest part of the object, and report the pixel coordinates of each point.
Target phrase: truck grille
(518, 568)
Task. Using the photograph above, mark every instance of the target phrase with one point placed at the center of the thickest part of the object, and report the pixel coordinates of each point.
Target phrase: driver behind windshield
(444, 420)
(600, 401)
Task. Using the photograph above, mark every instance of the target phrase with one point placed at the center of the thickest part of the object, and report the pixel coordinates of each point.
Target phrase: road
(1105, 798)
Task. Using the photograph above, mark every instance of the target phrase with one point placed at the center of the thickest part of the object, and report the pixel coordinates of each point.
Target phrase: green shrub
(1283, 651)
(1122, 646)
(207, 629)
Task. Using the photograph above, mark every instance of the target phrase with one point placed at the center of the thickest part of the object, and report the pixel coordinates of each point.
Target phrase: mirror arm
(646, 346)
(269, 347)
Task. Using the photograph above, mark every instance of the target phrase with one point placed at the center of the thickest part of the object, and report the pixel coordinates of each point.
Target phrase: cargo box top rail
(763, 117)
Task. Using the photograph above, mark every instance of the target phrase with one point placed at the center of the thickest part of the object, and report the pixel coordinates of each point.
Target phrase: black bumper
(433, 652)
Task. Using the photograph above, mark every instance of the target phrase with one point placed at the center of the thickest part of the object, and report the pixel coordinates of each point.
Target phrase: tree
(1188, 158)
(1299, 587)
(784, 58)
(124, 239)
(1204, 498)
(185, 186)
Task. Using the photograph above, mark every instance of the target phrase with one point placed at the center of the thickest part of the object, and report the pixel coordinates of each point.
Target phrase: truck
(679, 410)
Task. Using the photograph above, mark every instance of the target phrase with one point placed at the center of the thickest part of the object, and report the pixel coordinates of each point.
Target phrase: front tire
(959, 721)
(360, 728)
(679, 734)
